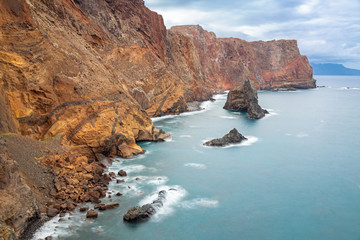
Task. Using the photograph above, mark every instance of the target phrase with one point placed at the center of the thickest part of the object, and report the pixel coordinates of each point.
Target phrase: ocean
(296, 177)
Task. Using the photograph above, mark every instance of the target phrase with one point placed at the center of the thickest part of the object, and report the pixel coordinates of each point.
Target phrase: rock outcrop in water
(145, 212)
(233, 137)
(244, 98)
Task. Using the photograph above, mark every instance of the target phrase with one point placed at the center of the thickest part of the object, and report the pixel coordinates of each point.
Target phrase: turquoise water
(296, 178)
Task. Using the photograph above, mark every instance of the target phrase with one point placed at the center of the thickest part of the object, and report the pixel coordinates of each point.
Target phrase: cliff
(228, 62)
(18, 204)
(91, 72)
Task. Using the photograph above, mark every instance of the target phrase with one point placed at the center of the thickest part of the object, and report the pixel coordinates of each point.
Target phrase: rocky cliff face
(93, 71)
(87, 69)
(228, 62)
(18, 205)
(73, 68)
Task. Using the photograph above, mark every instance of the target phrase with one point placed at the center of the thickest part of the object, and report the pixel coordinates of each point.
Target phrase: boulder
(233, 137)
(52, 212)
(84, 209)
(244, 98)
(91, 214)
(108, 206)
(122, 173)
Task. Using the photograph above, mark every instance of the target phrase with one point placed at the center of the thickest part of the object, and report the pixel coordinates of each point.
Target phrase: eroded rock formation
(145, 212)
(244, 98)
(92, 72)
(233, 137)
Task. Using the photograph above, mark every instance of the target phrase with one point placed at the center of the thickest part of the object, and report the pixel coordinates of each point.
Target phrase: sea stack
(244, 98)
(233, 137)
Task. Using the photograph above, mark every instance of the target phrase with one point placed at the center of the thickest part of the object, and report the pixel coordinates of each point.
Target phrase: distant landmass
(333, 69)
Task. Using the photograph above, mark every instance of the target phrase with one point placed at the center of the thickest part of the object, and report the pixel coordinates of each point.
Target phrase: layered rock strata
(228, 62)
(233, 137)
(244, 98)
(91, 72)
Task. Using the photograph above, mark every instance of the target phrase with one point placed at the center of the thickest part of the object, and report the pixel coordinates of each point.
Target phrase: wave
(195, 165)
(349, 88)
(199, 202)
(173, 197)
(228, 117)
(133, 168)
(61, 227)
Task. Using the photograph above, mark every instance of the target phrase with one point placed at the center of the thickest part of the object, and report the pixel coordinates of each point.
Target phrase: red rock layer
(228, 62)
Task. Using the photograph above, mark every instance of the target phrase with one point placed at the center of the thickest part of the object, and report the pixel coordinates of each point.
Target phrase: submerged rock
(145, 212)
(244, 98)
(233, 137)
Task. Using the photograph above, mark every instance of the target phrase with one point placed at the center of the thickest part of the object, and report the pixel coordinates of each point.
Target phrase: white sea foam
(272, 112)
(228, 117)
(173, 197)
(250, 141)
(66, 228)
(199, 202)
(185, 136)
(349, 88)
(195, 165)
(169, 139)
(156, 119)
(133, 168)
(157, 180)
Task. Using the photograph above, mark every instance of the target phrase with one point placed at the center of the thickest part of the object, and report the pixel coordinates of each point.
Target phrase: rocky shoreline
(77, 89)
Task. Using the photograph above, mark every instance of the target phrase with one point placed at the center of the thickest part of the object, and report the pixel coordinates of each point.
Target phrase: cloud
(325, 30)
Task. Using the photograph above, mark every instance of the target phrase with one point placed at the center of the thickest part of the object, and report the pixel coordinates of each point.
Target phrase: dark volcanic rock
(91, 214)
(122, 173)
(108, 206)
(232, 137)
(145, 212)
(244, 98)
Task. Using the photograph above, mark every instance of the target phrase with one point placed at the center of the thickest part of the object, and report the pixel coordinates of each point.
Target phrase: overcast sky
(326, 30)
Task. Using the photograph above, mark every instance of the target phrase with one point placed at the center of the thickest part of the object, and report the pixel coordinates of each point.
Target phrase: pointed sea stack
(244, 98)
(233, 137)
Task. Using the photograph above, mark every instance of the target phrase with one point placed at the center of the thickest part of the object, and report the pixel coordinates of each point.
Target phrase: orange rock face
(228, 62)
(93, 71)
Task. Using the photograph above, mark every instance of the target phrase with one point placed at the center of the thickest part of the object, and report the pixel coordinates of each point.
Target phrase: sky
(327, 31)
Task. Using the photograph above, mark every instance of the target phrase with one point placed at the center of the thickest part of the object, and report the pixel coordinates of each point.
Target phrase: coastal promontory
(89, 74)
